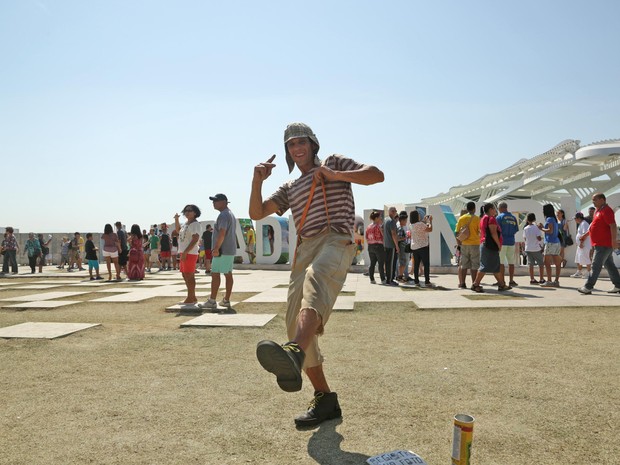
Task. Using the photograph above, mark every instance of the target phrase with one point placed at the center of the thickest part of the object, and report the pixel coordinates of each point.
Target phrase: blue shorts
(93, 264)
(222, 264)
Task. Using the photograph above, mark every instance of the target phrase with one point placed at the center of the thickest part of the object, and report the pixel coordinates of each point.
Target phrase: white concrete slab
(152, 282)
(126, 297)
(187, 307)
(42, 296)
(112, 290)
(37, 286)
(43, 330)
(61, 281)
(184, 308)
(235, 319)
(93, 283)
(43, 304)
(344, 303)
(276, 294)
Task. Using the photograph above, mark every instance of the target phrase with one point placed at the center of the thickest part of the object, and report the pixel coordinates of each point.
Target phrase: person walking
(10, 249)
(603, 234)
(32, 248)
(321, 201)
(223, 250)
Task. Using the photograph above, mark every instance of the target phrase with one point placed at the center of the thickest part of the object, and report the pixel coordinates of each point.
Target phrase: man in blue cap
(224, 247)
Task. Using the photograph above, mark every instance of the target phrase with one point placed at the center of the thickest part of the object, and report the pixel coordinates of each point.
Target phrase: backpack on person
(164, 242)
(464, 232)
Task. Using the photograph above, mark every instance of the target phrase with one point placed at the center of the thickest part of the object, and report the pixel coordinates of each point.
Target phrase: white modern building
(566, 176)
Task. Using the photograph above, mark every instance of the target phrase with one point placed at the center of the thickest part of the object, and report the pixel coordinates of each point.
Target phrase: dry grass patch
(542, 384)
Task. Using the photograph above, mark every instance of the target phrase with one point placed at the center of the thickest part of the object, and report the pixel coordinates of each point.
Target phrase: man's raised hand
(263, 170)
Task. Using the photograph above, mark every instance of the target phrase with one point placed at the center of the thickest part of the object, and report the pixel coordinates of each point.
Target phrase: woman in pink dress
(135, 264)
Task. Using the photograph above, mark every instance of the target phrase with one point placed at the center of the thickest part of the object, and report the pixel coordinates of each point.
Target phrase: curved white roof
(566, 169)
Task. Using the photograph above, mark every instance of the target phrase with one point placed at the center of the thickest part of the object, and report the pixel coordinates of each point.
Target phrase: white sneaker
(225, 303)
(577, 274)
(615, 290)
(209, 305)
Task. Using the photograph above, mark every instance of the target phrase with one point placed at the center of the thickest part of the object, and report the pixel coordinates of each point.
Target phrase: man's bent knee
(309, 313)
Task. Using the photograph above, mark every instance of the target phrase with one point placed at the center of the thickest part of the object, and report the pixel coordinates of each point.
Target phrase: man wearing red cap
(321, 201)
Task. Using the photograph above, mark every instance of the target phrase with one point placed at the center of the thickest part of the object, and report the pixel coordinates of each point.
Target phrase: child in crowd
(201, 254)
(91, 256)
(582, 255)
(174, 249)
(533, 248)
(64, 253)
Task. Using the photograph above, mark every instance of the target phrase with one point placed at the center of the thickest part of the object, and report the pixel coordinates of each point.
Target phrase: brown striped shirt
(340, 204)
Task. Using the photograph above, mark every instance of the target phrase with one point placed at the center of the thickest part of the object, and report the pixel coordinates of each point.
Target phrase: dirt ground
(542, 384)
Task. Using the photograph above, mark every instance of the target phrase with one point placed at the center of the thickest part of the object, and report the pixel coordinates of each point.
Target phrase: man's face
(598, 202)
(301, 150)
(220, 205)
(392, 212)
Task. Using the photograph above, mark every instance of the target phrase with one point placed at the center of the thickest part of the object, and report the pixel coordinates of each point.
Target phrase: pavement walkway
(271, 286)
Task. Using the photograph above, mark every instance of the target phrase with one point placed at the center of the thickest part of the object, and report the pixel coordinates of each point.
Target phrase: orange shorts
(189, 264)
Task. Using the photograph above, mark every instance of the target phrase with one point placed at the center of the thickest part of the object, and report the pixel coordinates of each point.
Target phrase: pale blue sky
(131, 109)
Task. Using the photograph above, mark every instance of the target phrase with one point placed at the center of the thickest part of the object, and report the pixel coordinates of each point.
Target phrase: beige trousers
(316, 280)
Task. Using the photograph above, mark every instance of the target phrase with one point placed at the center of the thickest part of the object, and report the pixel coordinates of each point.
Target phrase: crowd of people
(399, 246)
(487, 244)
(133, 253)
(137, 252)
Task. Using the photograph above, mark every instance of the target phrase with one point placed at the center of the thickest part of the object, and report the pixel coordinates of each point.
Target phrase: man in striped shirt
(321, 201)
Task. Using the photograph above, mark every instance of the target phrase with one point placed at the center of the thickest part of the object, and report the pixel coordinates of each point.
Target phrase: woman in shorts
(189, 234)
(553, 246)
(111, 248)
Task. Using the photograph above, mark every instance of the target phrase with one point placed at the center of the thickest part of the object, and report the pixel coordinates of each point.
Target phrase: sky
(129, 110)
